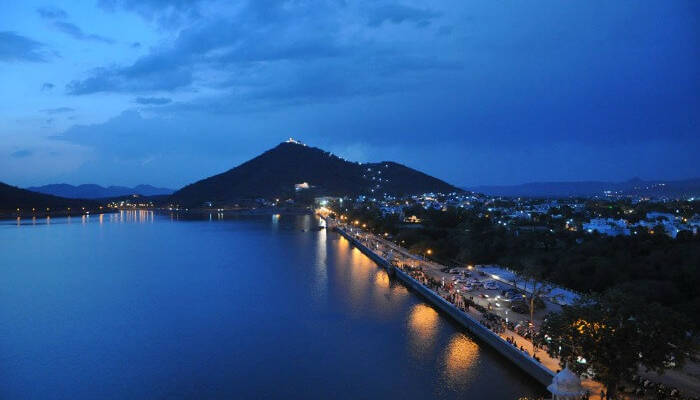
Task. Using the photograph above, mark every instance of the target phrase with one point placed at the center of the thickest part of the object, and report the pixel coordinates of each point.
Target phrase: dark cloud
(152, 100)
(135, 79)
(46, 86)
(57, 110)
(136, 45)
(130, 136)
(21, 153)
(397, 13)
(14, 47)
(51, 13)
(75, 32)
(268, 38)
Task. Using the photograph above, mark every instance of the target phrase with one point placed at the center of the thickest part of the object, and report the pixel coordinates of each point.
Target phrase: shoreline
(13, 215)
(527, 364)
(241, 211)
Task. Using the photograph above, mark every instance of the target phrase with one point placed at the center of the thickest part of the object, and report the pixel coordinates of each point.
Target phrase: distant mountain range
(275, 173)
(12, 197)
(92, 191)
(632, 187)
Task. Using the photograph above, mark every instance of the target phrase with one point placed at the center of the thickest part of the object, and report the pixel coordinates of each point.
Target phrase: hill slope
(275, 172)
(12, 198)
(92, 191)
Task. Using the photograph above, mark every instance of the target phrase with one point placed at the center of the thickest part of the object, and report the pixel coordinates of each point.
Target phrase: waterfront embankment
(521, 359)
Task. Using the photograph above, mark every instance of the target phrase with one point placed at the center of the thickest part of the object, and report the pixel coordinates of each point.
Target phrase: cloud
(131, 135)
(46, 86)
(396, 13)
(58, 110)
(51, 13)
(134, 79)
(75, 32)
(21, 153)
(253, 56)
(14, 47)
(152, 100)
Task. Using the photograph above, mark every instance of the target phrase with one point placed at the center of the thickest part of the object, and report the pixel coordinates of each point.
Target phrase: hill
(275, 172)
(12, 197)
(92, 191)
(633, 187)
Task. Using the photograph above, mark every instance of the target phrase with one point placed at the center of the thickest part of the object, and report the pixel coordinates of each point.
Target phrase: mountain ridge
(635, 186)
(12, 198)
(94, 191)
(275, 172)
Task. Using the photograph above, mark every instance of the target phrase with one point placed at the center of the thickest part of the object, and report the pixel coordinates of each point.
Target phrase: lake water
(141, 306)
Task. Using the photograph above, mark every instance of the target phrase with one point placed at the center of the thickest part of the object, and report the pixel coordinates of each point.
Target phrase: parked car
(512, 294)
(490, 285)
(519, 307)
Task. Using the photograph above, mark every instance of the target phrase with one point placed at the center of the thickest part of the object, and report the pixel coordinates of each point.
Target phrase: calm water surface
(141, 306)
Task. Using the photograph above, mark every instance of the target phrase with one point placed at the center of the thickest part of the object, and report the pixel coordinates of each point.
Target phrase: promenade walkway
(389, 250)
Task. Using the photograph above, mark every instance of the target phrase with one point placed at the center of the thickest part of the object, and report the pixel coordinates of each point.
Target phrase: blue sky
(474, 92)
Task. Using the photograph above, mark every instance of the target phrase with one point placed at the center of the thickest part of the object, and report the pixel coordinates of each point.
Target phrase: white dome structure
(566, 386)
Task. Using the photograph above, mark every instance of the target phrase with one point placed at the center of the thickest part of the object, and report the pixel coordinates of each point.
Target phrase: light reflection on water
(321, 264)
(422, 329)
(196, 300)
(461, 357)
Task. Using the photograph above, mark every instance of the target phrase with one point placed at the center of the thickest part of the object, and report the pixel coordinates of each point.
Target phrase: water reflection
(422, 329)
(381, 279)
(461, 357)
(140, 216)
(387, 298)
(331, 294)
(321, 262)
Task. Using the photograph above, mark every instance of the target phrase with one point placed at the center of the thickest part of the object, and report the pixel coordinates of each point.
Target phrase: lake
(136, 305)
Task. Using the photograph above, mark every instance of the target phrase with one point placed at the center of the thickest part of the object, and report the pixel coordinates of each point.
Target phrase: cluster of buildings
(672, 225)
(552, 215)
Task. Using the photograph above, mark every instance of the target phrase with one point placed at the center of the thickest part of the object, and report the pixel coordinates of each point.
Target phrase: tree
(534, 286)
(614, 334)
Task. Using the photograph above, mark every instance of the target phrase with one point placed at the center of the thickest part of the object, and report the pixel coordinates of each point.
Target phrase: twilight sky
(474, 92)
